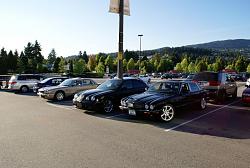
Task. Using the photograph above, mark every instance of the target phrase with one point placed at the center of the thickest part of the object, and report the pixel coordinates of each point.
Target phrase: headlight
(46, 91)
(87, 98)
(146, 106)
(93, 98)
(75, 96)
(151, 107)
(130, 105)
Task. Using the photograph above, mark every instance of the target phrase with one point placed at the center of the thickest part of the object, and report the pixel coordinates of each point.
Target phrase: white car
(145, 78)
(24, 82)
(248, 83)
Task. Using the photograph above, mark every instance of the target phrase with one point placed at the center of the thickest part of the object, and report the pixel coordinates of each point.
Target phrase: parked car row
(132, 95)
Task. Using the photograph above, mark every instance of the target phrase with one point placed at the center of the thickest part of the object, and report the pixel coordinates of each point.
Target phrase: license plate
(132, 112)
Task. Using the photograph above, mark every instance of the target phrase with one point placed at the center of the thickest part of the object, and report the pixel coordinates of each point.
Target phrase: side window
(194, 87)
(21, 77)
(86, 82)
(138, 84)
(185, 88)
(56, 81)
(79, 83)
(127, 84)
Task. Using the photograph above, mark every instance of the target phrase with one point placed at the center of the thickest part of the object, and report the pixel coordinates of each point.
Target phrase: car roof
(126, 78)
(178, 81)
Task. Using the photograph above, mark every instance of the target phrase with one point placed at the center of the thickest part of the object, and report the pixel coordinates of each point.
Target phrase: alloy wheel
(203, 103)
(167, 113)
(59, 96)
(108, 106)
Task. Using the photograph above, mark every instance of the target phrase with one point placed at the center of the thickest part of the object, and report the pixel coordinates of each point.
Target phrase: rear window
(206, 76)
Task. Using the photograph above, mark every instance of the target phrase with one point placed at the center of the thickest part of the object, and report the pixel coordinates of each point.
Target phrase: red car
(246, 96)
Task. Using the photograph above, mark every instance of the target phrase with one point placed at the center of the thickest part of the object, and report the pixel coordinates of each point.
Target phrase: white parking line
(194, 119)
(59, 106)
(114, 116)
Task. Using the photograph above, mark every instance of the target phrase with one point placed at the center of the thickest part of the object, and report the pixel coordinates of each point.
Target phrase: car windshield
(110, 84)
(165, 87)
(45, 80)
(67, 82)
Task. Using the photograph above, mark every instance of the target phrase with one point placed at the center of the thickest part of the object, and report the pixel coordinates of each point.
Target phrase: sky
(70, 26)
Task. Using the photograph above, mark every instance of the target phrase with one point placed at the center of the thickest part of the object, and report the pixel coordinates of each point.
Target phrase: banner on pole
(114, 7)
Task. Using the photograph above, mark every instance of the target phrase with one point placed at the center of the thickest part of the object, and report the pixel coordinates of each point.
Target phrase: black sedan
(53, 81)
(108, 95)
(163, 98)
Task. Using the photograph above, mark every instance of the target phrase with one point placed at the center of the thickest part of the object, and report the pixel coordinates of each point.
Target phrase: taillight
(12, 83)
(195, 81)
(214, 83)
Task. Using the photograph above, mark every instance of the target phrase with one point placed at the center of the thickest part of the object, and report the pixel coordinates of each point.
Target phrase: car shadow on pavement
(228, 120)
(66, 102)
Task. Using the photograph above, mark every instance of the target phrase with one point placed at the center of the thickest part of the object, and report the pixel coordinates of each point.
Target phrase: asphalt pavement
(38, 133)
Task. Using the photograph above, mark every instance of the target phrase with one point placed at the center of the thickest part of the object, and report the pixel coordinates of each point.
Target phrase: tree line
(182, 59)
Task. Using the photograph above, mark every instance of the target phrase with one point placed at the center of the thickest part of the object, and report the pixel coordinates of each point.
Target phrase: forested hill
(224, 44)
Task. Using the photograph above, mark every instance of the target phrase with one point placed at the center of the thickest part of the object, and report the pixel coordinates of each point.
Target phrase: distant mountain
(236, 44)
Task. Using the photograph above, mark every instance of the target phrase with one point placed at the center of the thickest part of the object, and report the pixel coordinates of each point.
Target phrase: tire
(203, 103)
(24, 89)
(235, 94)
(221, 97)
(168, 113)
(108, 106)
(59, 96)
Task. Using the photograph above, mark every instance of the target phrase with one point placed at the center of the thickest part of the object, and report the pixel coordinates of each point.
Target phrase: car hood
(97, 92)
(52, 88)
(147, 98)
(247, 90)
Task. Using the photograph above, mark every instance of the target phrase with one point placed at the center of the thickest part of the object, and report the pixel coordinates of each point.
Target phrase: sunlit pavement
(38, 133)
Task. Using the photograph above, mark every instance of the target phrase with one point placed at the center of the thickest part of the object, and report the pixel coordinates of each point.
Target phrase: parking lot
(38, 133)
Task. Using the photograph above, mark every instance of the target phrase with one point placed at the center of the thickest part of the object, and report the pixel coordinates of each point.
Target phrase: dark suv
(218, 84)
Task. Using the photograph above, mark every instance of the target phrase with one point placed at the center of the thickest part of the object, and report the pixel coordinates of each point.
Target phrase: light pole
(120, 53)
(140, 35)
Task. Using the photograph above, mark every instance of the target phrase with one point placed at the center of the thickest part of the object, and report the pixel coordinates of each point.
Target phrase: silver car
(67, 88)
(24, 82)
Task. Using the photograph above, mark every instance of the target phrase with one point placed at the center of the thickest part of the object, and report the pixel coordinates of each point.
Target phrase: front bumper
(88, 105)
(46, 95)
(139, 112)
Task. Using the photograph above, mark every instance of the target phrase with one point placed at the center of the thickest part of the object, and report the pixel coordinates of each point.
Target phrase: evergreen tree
(85, 56)
(71, 67)
(52, 57)
(9, 61)
(23, 63)
(15, 61)
(3, 60)
(56, 65)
